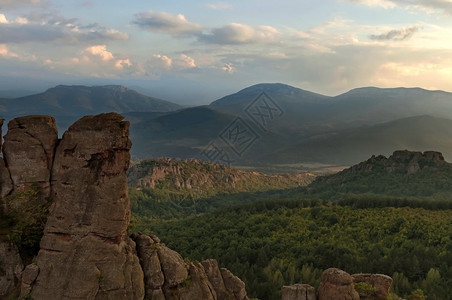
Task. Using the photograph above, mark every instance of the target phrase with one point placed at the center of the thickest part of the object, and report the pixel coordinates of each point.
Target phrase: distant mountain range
(263, 124)
(68, 103)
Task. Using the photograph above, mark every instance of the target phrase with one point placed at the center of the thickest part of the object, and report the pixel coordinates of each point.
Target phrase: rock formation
(10, 267)
(382, 284)
(85, 252)
(406, 161)
(298, 292)
(336, 284)
(168, 276)
(193, 173)
(28, 151)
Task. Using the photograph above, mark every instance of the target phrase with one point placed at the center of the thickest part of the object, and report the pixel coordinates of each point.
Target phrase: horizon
(144, 91)
(214, 48)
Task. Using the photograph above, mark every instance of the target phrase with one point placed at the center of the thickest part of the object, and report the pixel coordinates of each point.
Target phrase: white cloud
(163, 22)
(236, 33)
(165, 60)
(3, 19)
(50, 28)
(185, 62)
(100, 51)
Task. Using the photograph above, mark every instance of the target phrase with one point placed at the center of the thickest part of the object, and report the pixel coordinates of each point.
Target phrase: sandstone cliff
(85, 251)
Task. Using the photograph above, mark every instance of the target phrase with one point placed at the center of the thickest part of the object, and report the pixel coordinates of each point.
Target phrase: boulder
(298, 292)
(85, 251)
(382, 284)
(336, 284)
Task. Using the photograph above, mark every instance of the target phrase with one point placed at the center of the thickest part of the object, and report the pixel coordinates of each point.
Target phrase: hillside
(167, 188)
(403, 174)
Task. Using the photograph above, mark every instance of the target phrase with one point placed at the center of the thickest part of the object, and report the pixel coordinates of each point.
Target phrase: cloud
(164, 60)
(100, 51)
(396, 34)
(185, 62)
(17, 3)
(48, 28)
(163, 22)
(429, 6)
(4, 51)
(218, 6)
(236, 33)
(379, 3)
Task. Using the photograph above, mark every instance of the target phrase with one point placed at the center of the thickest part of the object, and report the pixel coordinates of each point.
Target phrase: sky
(193, 52)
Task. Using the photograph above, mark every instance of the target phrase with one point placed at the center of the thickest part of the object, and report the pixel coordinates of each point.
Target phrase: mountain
(181, 133)
(67, 103)
(353, 145)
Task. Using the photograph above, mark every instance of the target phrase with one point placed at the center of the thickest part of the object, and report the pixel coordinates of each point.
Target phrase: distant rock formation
(85, 252)
(193, 173)
(408, 162)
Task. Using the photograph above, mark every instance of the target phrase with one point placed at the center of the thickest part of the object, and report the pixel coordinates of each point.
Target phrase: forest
(273, 243)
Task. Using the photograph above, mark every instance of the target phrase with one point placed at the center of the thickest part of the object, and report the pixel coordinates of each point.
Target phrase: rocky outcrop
(336, 284)
(408, 162)
(168, 276)
(196, 174)
(28, 151)
(298, 292)
(86, 252)
(381, 283)
(10, 267)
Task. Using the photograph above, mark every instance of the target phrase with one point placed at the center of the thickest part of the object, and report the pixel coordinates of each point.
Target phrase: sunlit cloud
(236, 33)
(4, 51)
(100, 51)
(163, 22)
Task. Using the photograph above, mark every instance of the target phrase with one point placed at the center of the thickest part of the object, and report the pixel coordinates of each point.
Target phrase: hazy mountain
(176, 134)
(350, 146)
(67, 103)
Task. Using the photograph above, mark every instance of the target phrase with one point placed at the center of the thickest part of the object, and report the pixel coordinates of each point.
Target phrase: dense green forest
(272, 243)
(385, 215)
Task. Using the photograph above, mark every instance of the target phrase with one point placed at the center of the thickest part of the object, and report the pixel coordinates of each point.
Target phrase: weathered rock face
(168, 276)
(85, 251)
(382, 284)
(298, 292)
(10, 267)
(28, 151)
(337, 284)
